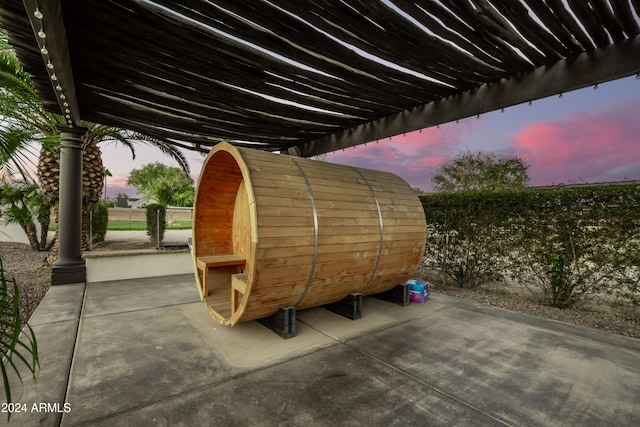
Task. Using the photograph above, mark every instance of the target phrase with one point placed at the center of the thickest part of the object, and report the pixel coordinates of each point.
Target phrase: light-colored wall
(13, 233)
(131, 266)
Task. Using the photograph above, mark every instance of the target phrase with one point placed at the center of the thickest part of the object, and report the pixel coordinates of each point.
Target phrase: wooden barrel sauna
(273, 231)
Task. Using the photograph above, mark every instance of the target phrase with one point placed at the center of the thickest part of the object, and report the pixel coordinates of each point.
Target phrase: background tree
(475, 171)
(163, 184)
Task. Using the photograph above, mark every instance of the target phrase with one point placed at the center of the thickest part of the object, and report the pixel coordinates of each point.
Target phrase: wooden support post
(282, 322)
(398, 295)
(349, 307)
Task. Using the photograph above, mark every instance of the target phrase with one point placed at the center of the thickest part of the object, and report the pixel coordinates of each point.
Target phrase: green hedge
(156, 217)
(569, 241)
(99, 215)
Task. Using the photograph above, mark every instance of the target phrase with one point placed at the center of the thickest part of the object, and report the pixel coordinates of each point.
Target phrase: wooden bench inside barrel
(216, 273)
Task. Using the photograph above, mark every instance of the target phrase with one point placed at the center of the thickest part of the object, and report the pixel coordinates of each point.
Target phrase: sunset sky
(590, 135)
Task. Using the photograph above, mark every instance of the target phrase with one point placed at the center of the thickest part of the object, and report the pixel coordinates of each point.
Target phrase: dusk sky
(589, 135)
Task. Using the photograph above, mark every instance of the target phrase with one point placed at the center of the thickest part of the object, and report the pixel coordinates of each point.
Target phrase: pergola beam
(587, 69)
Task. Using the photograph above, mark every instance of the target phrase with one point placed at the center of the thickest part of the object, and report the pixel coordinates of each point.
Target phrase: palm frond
(18, 98)
(129, 138)
(16, 152)
(103, 133)
(16, 344)
(14, 79)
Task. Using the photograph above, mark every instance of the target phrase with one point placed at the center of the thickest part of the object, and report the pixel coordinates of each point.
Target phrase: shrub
(465, 240)
(580, 241)
(23, 204)
(99, 214)
(156, 223)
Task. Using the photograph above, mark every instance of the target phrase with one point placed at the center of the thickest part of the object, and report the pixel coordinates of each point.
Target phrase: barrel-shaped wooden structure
(273, 231)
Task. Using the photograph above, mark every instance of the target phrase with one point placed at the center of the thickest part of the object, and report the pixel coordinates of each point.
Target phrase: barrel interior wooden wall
(279, 231)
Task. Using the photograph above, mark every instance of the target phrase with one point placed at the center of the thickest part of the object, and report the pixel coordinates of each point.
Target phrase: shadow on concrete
(145, 351)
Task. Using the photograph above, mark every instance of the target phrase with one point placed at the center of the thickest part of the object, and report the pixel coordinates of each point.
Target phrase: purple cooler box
(418, 290)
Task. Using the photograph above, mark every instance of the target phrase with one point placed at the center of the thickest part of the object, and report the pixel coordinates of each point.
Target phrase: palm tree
(93, 168)
(22, 110)
(107, 173)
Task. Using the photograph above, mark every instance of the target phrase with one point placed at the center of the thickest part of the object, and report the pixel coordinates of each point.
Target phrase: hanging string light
(41, 37)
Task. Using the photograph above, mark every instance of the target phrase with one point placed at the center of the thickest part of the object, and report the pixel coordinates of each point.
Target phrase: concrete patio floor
(146, 352)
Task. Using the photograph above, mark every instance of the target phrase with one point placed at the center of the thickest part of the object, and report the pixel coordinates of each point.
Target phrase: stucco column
(70, 266)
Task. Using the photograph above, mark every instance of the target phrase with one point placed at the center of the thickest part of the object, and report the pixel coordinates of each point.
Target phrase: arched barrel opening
(222, 235)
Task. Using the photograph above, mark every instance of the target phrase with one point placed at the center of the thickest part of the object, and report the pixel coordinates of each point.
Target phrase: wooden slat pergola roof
(311, 76)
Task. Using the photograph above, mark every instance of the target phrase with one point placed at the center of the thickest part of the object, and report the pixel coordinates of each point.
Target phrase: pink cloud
(117, 184)
(120, 179)
(413, 156)
(583, 147)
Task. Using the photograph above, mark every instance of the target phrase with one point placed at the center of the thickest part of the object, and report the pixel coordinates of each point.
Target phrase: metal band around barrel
(375, 198)
(315, 233)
